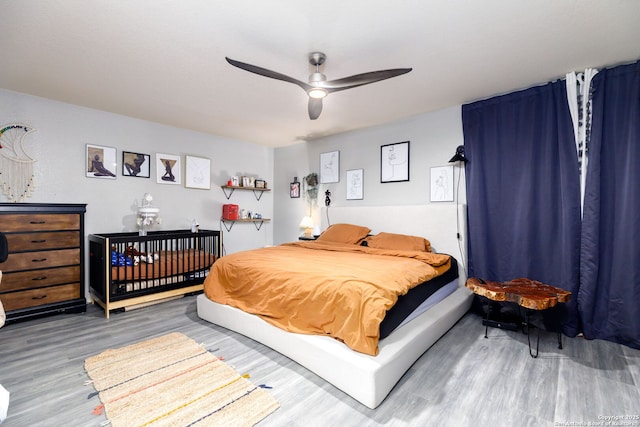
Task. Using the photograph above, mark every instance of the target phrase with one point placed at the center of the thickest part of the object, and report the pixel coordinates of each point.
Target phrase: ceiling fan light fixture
(318, 87)
(317, 93)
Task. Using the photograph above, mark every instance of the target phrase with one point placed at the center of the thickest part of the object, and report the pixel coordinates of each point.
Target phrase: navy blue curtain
(609, 295)
(523, 190)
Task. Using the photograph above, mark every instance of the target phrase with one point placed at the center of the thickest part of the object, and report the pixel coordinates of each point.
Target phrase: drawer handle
(38, 260)
(38, 222)
(39, 297)
(39, 278)
(38, 241)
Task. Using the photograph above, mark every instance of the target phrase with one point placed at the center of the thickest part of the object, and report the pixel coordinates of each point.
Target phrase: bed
(128, 270)
(366, 373)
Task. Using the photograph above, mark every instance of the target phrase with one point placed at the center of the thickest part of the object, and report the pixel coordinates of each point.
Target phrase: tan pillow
(344, 233)
(399, 242)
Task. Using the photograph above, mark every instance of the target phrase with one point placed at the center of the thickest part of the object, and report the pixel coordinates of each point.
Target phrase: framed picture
(355, 189)
(442, 184)
(167, 169)
(330, 167)
(136, 164)
(294, 190)
(100, 162)
(394, 162)
(197, 173)
(261, 183)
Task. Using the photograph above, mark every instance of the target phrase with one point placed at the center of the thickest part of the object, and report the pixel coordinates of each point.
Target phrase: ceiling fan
(318, 86)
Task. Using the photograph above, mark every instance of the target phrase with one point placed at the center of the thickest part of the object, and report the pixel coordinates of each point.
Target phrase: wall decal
(16, 166)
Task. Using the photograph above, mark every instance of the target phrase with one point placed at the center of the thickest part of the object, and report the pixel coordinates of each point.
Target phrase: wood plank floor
(463, 380)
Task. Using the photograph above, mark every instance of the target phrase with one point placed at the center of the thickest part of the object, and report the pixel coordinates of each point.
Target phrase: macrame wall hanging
(16, 167)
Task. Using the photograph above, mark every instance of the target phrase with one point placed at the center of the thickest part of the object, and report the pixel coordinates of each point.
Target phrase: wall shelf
(229, 189)
(257, 222)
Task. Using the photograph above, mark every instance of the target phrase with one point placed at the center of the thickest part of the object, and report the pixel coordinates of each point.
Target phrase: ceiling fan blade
(362, 79)
(268, 73)
(315, 108)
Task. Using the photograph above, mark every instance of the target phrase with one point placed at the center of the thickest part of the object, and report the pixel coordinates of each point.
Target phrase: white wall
(433, 140)
(58, 145)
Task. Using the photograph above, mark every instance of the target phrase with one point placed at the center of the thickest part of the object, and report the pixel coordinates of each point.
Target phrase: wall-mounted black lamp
(459, 156)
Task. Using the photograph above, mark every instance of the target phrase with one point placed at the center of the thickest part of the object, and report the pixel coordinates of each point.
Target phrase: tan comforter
(342, 291)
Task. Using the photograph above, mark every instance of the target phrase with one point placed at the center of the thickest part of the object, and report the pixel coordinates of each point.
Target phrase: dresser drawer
(41, 259)
(39, 222)
(35, 297)
(39, 278)
(45, 240)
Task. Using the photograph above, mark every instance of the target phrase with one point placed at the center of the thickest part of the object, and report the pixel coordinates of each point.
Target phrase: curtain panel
(523, 188)
(524, 199)
(609, 294)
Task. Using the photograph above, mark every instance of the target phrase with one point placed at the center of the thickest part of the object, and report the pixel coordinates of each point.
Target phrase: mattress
(159, 265)
(419, 299)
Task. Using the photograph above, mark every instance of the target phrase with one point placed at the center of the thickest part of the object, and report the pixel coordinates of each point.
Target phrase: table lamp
(307, 225)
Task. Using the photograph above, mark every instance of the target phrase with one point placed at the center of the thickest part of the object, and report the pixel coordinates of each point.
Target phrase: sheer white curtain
(579, 99)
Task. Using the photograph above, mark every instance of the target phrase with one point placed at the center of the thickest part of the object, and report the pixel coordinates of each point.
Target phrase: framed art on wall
(100, 162)
(355, 190)
(394, 162)
(330, 167)
(136, 164)
(294, 190)
(198, 173)
(442, 184)
(167, 169)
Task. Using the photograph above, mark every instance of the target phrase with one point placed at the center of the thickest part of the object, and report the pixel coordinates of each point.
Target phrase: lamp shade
(306, 222)
(459, 156)
(307, 225)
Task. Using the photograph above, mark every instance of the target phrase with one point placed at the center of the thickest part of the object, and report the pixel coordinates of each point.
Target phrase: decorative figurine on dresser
(44, 270)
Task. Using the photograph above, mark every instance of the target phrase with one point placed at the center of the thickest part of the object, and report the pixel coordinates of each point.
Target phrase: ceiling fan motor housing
(317, 58)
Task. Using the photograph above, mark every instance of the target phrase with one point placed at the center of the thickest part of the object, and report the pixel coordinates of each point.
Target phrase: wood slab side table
(527, 293)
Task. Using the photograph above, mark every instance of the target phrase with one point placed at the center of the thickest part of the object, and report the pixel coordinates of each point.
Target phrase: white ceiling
(164, 60)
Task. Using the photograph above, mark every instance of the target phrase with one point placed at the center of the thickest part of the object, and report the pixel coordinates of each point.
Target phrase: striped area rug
(172, 380)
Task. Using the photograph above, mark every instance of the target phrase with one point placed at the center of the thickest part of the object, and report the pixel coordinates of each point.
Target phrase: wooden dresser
(44, 273)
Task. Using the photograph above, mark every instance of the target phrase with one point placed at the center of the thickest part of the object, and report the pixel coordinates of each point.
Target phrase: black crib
(126, 269)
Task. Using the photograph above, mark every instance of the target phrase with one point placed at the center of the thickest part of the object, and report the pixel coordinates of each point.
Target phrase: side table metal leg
(529, 336)
(559, 340)
(486, 324)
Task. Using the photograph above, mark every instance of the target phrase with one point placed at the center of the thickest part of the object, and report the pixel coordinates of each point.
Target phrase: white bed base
(368, 379)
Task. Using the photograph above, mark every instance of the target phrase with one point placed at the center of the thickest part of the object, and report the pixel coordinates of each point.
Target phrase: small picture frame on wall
(198, 173)
(355, 188)
(168, 169)
(330, 167)
(394, 162)
(100, 162)
(294, 190)
(261, 183)
(442, 184)
(136, 164)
